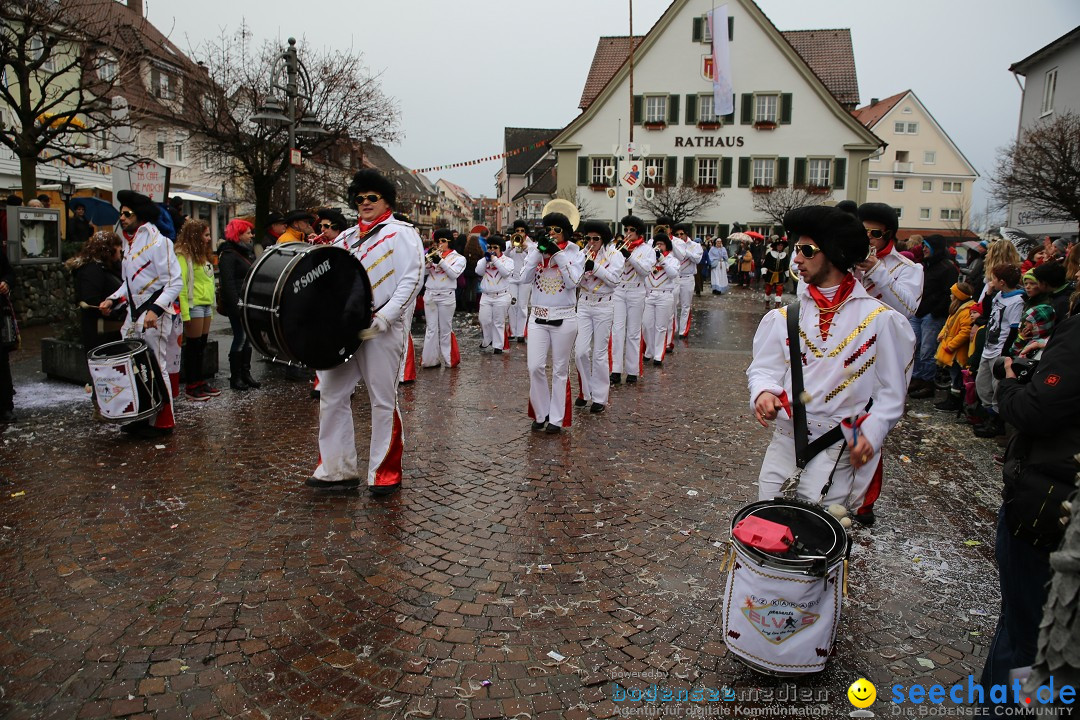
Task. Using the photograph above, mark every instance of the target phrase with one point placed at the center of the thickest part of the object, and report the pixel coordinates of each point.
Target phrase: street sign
(294, 158)
(632, 177)
(630, 199)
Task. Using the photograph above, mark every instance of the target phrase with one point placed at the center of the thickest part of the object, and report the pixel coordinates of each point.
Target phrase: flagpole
(631, 70)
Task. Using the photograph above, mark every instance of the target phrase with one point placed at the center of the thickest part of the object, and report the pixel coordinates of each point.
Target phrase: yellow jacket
(954, 337)
(290, 235)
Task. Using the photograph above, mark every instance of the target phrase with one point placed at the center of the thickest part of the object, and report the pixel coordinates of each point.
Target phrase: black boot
(951, 403)
(245, 368)
(191, 362)
(236, 372)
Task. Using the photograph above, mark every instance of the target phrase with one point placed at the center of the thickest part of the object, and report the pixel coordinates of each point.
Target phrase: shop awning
(192, 197)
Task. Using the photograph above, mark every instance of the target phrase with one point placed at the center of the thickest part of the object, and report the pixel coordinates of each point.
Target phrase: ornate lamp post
(298, 86)
(67, 189)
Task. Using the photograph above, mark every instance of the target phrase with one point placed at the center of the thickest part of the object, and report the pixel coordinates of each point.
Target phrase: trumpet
(433, 256)
(518, 240)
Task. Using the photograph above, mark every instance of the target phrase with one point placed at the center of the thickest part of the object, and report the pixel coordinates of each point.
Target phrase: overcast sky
(462, 70)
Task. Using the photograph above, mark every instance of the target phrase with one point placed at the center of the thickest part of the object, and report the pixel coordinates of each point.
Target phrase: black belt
(553, 323)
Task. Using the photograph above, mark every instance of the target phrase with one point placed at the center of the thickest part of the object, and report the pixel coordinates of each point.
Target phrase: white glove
(379, 324)
(764, 271)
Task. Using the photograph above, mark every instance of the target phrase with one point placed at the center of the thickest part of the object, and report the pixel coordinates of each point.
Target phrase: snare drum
(128, 386)
(306, 304)
(782, 610)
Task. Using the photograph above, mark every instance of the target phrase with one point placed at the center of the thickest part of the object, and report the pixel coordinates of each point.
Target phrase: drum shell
(306, 304)
(122, 371)
(781, 615)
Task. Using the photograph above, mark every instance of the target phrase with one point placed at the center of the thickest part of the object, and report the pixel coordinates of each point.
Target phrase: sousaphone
(565, 207)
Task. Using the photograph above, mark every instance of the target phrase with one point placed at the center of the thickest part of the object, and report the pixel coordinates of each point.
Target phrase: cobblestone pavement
(517, 574)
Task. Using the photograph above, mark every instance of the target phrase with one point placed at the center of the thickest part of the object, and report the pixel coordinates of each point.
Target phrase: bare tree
(62, 64)
(346, 100)
(678, 202)
(1041, 169)
(583, 205)
(960, 217)
(782, 200)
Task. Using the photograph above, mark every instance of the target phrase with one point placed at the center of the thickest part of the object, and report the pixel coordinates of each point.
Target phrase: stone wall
(43, 293)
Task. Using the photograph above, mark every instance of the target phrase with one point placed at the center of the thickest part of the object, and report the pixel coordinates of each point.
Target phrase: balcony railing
(903, 167)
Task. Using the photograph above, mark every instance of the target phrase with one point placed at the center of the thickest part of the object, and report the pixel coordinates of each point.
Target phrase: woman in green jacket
(194, 251)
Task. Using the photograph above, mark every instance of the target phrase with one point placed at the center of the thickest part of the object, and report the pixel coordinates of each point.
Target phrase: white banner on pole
(723, 88)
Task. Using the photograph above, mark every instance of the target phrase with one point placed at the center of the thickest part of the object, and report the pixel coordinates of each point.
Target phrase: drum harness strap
(142, 308)
(805, 451)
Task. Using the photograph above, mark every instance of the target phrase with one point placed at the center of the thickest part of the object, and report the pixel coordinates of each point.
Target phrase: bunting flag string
(490, 158)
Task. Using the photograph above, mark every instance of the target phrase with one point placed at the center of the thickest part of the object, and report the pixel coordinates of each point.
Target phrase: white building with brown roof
(921, 172)
(791, 125)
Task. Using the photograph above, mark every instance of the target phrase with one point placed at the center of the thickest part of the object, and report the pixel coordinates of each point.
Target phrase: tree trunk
(28, 170)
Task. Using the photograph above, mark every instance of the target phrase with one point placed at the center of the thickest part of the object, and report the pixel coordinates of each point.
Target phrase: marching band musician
(554, 269)
(443, 266)
(659, 299)
(886, 274)
(151, 288)
(596, 310)
(853, 347)
(630, 302)
(688, 252)
(392, 254)
(520, 245)
(495, 271)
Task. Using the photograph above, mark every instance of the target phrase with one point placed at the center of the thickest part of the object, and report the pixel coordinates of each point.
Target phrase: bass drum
(306, 304)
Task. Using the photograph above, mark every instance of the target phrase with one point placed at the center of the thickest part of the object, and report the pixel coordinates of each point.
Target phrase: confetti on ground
(543, 566)
(926, 663)
(18, 494)
(972, 543)
(905, 458)
(556, 656)
(691, 493)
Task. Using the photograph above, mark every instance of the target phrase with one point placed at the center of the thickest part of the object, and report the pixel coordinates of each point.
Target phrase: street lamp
(67, 189)
(272, 113)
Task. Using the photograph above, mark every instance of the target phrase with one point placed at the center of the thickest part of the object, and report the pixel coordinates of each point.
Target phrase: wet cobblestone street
(516, 574)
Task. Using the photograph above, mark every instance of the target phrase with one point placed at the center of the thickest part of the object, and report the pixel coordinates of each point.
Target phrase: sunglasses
(325, 225)
(876, 234)
(590, 238)
(369, 197)
(126, 213)
(557, 231)
(808, 251)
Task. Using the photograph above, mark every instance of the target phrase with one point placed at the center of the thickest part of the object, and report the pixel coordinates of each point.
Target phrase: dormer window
(161, 84)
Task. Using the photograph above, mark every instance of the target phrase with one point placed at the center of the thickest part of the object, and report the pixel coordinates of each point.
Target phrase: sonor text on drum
(310, 276)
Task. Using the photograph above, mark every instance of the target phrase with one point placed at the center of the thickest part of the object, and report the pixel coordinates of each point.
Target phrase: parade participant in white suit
(596, 310)
(392, 254)
(688, 252)
(854, 348)
(443, 265)
(626, 350)
(659, 299)
(554, 268)
(151, 288)
(518, 249)
(886, 274)
(495, 271)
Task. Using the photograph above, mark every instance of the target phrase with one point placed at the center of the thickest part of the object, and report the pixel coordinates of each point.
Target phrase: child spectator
(953, 342)
(1005, 312)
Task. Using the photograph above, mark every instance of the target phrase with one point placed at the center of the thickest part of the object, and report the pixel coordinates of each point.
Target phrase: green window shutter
(725, 172)
(785, 108)
(730, 28)
(671, 168)
(800, 172)
(689, 171)
(639, 109)
(729, 119)
(691, 109)
(583, 171)
(747, 108)
(699, 29)
(781, 171)
(839, 169)
(724, 230)
(744, 172)
(673, 110)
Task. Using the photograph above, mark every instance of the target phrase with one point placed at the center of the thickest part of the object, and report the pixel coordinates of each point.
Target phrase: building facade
(514, 175)
(791, 127)
(921, 172)
(1051, 87)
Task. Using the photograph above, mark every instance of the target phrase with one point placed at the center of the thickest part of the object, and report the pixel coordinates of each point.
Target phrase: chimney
(873, 101)
(136, 6)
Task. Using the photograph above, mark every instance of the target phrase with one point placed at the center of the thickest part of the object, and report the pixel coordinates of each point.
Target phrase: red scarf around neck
(888, 249)
(827, 308)
(365, 227)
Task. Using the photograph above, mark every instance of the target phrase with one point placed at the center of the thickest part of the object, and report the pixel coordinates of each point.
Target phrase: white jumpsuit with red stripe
(554, 295)
(596, 311)
(629, 307)
(495, 298)
(688, 252)
(659, 306)
(440, 301)
(393, 258)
